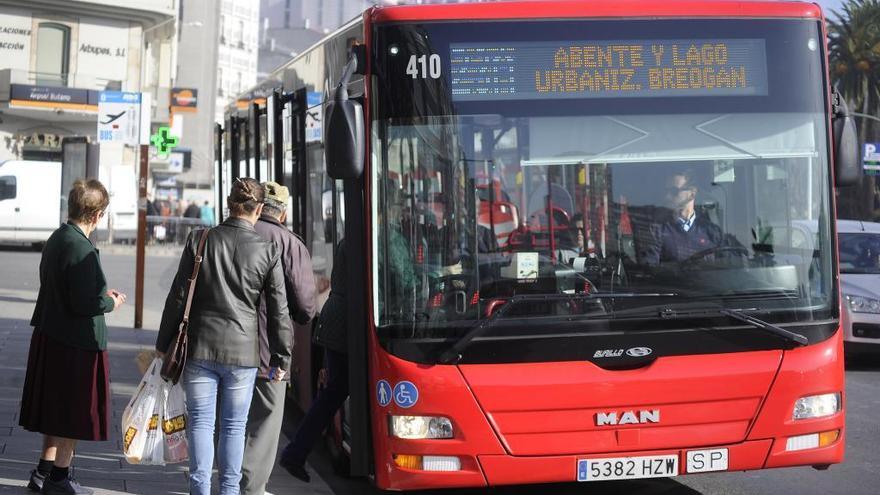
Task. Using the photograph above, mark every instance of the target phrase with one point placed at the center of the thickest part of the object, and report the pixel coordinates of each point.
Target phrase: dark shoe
(296, 469)
(64, 487)
(36, 482)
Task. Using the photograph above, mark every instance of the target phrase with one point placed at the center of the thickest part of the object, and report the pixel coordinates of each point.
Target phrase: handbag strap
(195, 275)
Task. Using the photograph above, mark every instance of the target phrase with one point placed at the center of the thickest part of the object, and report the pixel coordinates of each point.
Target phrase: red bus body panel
(551, 408)
(532, 422)
(588, 9)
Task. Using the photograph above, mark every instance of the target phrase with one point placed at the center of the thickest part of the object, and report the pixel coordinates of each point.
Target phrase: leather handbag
(175, 357)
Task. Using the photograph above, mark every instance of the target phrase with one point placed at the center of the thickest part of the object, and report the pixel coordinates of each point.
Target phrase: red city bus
(570, 227)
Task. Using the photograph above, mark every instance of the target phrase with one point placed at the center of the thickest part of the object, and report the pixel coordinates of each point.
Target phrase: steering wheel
(701, 255)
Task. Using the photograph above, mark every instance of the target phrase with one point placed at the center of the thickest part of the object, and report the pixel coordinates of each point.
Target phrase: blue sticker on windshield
(406, 394)
(383, 393)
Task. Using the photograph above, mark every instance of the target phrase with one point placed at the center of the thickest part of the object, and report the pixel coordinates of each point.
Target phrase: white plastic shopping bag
(138, 414)
(154, 453)
(174, 425)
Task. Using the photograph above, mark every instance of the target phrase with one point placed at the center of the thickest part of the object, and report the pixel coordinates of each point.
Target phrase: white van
(121, 182)
(30, 201)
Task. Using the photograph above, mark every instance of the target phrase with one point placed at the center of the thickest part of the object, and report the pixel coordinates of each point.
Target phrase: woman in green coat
(67, 360)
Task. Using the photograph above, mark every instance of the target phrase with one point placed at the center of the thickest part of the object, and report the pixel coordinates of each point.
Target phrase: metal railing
(161, 231)
(171, 230)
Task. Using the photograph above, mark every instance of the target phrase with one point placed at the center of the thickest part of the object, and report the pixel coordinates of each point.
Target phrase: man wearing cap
(267, 406)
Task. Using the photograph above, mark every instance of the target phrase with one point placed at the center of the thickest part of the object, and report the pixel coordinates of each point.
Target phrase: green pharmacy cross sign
(164, 141)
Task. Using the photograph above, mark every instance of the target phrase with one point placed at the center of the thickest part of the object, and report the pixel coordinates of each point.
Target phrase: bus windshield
(598, 157)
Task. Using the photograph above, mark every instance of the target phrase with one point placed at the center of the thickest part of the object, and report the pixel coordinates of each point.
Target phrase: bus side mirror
(344, 143)
(847, 166)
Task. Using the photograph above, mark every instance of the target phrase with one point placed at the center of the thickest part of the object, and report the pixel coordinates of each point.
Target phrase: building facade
(56, 56)
(287, 27)
(238, 51)
(190, 174)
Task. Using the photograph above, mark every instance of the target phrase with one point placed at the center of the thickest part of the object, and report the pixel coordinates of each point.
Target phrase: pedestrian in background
(193, 216)
(207, 215)
(237, 267)
(192, 211)
(267, 406)
(332, 335)
(152, 211)
(66, 394)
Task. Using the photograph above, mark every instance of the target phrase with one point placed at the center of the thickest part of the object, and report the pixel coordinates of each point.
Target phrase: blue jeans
(202, 380)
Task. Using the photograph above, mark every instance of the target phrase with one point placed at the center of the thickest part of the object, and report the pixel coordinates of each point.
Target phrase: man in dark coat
(686, 233)
(267, 406)
(192, 211)
(332, 336)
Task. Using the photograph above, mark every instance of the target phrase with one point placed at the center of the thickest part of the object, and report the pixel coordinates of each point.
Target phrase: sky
(829, 5)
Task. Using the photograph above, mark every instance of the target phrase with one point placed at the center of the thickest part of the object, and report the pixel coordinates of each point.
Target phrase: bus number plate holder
(625, 468)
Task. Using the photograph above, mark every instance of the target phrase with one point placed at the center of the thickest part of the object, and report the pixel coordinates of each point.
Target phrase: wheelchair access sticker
(406, 394)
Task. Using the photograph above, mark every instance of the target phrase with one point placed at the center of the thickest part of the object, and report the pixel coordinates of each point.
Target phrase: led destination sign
(608, 69)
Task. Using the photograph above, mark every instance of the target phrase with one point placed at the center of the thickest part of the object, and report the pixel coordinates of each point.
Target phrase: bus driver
(686, 232)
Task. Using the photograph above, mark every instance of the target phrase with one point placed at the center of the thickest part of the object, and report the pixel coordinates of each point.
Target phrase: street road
(859, 474)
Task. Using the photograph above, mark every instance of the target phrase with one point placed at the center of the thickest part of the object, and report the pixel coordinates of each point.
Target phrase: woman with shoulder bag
(66, 394)
(223, 353)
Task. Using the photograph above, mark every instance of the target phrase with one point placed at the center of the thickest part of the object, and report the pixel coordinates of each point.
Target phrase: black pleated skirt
(66, 391)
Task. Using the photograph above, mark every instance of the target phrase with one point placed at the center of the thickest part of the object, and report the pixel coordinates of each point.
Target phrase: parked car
(859, 247)
(859, 244)
(30, 201)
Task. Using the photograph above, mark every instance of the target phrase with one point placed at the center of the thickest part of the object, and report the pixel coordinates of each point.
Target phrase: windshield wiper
(760, 293)
(453, 354)
(739, 314)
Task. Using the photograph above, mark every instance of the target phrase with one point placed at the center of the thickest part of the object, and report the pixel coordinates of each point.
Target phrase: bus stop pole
(219, 154)
(141, 237)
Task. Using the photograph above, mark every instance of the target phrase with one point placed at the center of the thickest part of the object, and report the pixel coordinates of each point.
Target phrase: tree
(854, 53)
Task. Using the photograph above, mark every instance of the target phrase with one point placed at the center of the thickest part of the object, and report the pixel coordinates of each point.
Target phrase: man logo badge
(627, 417)
(638, 351)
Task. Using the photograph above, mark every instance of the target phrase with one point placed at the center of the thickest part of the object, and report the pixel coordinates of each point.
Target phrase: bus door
(288, 124)
(229, 160)
(293, 132)
(222, 173)
(259, 140)
(244, 145)
(233, 147)
(274, 137)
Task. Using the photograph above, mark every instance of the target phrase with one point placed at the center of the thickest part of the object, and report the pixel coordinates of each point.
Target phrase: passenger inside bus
(401, 281)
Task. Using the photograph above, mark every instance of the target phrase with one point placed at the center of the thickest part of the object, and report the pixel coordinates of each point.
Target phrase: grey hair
(273, 208)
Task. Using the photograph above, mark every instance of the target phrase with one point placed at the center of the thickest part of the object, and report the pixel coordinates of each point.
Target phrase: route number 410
(424, 66)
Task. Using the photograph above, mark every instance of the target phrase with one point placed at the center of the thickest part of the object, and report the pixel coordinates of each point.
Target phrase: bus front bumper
(748, 455)
(494, 470)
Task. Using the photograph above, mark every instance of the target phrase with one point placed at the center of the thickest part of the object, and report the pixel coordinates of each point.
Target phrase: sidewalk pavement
(98, 465)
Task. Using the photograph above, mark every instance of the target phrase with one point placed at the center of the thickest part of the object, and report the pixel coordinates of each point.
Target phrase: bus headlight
(418, 427)
(859, 304)
(816, 406)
